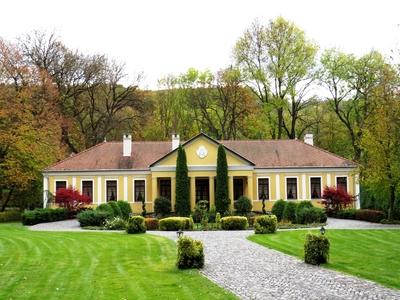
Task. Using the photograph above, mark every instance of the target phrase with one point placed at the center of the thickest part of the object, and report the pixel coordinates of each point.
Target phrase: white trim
(87, 179)
(170, 168)
(309, 184)
(278, 187)
(303, 170)
(328, 179)
(269, 187)
(297, 187)
(145, 189)
(303, 187)
(99, 190)
(45, 190)
(126, 188)
(357, 191)
(74, 182)
(105, 188)
(59, 180)
(347, 181)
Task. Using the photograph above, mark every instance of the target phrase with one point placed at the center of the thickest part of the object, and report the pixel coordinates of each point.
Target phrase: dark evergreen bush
(311, 215)
(176, 223)
(265, 224)
(107, 208)
(93, 217)
(44, 215)
(234, 223)
(115, 207)
(182, 202)
(10, 215)
(370, 215)
(125, 208)
(190, 253)
(349, 213)
(162, 206)
(222, 200)
(243, 205)
(289, 213)
(278, 208)
(136, 224)
(316, 249)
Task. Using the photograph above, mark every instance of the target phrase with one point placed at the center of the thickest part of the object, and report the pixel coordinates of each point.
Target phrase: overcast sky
(161, 37)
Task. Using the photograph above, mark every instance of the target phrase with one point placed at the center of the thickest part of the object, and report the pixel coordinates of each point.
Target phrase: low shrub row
(10, 215)
(44, 215)
(302, 212)
(119, 210)
(175, 223)
(234, 223)
(93, 217)
(368, 215)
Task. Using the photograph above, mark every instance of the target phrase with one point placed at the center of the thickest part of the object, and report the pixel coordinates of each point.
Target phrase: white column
(328, 179)
(357, 181)
(126, 188)
(74, 182)
(278, 187)
(45, 190)
(304, 186)
(99, 190)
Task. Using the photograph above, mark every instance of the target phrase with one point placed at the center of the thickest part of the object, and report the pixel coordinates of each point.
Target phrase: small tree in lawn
(222, 192)
(182, 203)
(336, 199)
(71, 199)
(141, 199)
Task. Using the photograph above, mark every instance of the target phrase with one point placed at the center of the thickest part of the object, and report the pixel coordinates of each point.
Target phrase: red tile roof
(263, 153)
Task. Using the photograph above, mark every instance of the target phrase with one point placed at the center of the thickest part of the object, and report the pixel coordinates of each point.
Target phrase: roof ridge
(326, 151)
(73, 156)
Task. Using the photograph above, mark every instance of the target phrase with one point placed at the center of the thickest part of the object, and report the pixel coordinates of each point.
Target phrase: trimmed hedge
(93, 217)
(370, 215)
(162, 206)
(289, 213)
(117, 223)
(151, 223)
(44, 215)
(349, 213)
(316, 249)
(176, 223)
(265, 224)
(136, 225)
(234, 223)
(190, 253)
(125, 209)
(10, 215)
(243, 205)
(311, 215)
(278, 208)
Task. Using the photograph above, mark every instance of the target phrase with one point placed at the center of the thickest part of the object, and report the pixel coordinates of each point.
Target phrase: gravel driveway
(252, 271)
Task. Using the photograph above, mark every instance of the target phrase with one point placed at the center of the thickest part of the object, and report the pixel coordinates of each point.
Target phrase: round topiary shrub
(125, 208)
(316, 249)
(151, 223)
(176, 223)
(136, 225)
(190, 253)
(289, 213)
(278, 208)
(234, 223)
(265, 224)
(243, 205)
(162, 206)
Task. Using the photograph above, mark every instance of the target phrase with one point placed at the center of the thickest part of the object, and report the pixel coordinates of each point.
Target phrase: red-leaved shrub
(336, 200)
(71, 199)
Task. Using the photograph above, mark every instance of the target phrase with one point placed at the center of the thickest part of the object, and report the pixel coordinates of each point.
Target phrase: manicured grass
(95, 265)
(371, 254)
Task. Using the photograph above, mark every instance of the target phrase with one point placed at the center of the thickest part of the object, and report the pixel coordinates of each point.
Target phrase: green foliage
(265, 224)
(125, 208)
(116, 223)
(212, 214)
(115, 208)
(151, 223)
(370, 215)
(304, 204)
(93, 217)
(289, 213)
(190, 253)
(182, 199)
(278, 208)
(136, 224)
(234, 223)
(142, 200)
(222, 192)
(243, 205)
(162, 206)
(176, 223)
(10, 215)
(44, 215)
(349, 213)
(316, 249)
(310, 215)
(218, 218)
(106, 207)
(200, 211)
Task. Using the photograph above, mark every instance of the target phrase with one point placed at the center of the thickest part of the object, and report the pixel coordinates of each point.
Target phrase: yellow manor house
(280, 169)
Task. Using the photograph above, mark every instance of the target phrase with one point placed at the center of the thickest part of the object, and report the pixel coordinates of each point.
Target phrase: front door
(202, 190)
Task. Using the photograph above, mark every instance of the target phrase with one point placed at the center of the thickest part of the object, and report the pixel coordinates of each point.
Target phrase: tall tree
(279, 63)
(182, 193)
(222, 200)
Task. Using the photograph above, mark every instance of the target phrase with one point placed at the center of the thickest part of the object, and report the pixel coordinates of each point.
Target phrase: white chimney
(175, 141)
(127, 145)
(309, 139)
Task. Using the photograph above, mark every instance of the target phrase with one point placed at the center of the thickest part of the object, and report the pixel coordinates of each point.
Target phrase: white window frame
(297, 187)
(88, 179)
(269, 187)
(145, 189)
(347, 181)
(60, 180)
(105, 188)
(309, 185)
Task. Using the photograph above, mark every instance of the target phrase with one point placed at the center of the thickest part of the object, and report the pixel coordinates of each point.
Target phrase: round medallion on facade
(202, 152)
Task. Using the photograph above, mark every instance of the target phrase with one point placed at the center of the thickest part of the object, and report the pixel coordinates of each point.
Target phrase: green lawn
(371, 254)
(95, 265)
